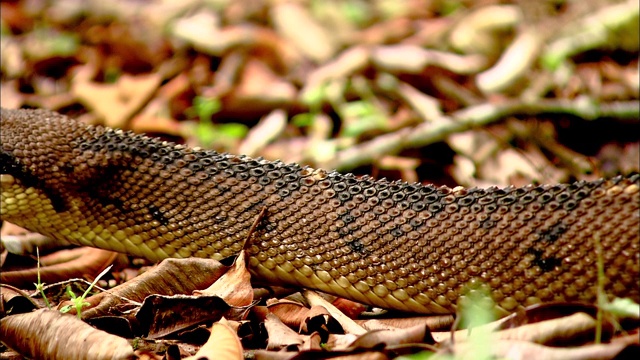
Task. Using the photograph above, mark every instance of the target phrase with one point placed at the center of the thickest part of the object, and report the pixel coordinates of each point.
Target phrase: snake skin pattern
(411, 247)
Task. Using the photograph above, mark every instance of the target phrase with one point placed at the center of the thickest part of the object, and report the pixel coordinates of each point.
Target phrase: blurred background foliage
(451, 92)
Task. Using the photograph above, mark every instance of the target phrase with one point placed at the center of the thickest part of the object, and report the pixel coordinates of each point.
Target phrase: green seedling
(207, 132)
(40, 284)
(78, 302)
(619, 308)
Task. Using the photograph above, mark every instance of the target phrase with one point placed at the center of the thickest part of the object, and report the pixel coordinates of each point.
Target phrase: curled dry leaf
(269, 128)
(164, 316)
(427, 107)
(513, 63)
(259, 90)
(434, 322)
(222, 344)
(295, 23)
(413, 59)
(474, 32)
(291, 313)
(350, 308)
(280, 335)
(419, 334)
(15, 301)
(560, 330)
(349, 326)
(172, 276)
(318, 319)
(234, 286)
(60, 336)
(347, 63)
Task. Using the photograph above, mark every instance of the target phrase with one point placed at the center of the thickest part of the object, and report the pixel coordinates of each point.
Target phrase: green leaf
(360, 117)
(233, 130)
(70, 292)
(303, 120)
(206, 107)
(624, 308)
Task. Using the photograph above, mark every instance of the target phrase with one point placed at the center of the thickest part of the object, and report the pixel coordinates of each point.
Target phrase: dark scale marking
(357, 246)
(488, 224)
(117, 203)
(545, 264)
(11, 166)
(157, 215)
(348, 219)
(67, 168)
(553, 233)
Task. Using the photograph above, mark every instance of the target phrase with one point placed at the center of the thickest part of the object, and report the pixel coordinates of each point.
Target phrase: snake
(405, 246)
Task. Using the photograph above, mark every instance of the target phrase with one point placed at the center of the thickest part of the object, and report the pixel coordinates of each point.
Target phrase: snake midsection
(403, 246)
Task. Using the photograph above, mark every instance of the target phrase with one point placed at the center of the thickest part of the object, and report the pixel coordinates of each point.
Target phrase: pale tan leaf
(281, 336)
(294, 23)
(412, 59)
(415, 334)
(259, 89)
(222, 344)
(117, 103)
(269, 128)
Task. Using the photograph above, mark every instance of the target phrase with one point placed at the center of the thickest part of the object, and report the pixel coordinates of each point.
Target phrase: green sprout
(78, 302)
(40, 284)
(209, 133)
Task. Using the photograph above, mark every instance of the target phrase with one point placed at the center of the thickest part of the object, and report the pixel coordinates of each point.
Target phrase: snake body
(411, 247)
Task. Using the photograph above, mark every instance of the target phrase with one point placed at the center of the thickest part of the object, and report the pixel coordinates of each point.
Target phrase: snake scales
(391, 244)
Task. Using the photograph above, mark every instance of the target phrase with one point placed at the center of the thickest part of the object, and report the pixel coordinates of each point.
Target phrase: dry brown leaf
(350, 308)
(15, 301)
(427, 107)
(556, 330)
(417, 334)
(349, 326)
(516, 349)
(117, 103)
(318, 319)
(62, 265)
(168, 316)
(267, 129)
(293, 22)
(222, 344)
(156, 124)
(234, 286)
(60, 336)
(435, 322)
(171, 276)
(259, 90)
(290, 313)
(9, 97)
(280, 335)
(349, 62)
(413, 59)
